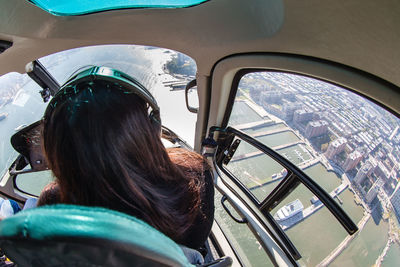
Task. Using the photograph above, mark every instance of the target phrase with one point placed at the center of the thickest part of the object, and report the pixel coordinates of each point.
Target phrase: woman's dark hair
(50, 195)
(196, 167)
(105, 151)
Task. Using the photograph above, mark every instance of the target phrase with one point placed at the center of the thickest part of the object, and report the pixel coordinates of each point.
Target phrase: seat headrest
(69, 235)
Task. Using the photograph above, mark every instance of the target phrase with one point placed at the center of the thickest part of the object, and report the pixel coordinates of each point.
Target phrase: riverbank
(345, 243)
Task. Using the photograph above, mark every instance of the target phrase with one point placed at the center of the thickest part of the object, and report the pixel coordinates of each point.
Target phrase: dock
(176, 85)
(286, 224)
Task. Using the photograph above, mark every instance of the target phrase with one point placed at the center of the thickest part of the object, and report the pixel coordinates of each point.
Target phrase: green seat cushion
(73, 226)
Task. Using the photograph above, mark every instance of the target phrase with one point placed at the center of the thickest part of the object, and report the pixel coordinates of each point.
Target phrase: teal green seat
(68, 235)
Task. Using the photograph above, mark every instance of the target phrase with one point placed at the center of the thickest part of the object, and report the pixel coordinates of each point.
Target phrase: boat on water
(3, 115)
(289, 210)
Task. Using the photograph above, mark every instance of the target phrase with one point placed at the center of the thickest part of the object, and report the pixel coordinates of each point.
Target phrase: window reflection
(20, 105)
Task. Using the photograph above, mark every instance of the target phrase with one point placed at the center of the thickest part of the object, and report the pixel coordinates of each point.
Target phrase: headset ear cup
(155, 118)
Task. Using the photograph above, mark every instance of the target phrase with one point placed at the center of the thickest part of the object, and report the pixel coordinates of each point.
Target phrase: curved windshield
(345, 143)
(20, 105)
(162, 71)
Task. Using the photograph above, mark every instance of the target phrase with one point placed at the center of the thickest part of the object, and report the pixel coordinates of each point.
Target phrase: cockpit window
(163, 72)
(20, 105)
(347, 144)
(78, 7)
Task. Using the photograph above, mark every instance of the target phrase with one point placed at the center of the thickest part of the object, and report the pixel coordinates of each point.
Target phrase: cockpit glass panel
(24, 182)
(253, 175)
(347, 144)
(79, 7)
(163, 72)
(20, 105)
(246, 246)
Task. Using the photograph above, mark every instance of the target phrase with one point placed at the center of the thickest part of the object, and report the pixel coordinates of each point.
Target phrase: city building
(352, 160)
(302, 115)
(335, 147)
(270, 97)
(395, 200)
(289, 96)
(316, 128)
(288, 110)
(372, 192)
(382, 172)
(390, 161)
(366, 169)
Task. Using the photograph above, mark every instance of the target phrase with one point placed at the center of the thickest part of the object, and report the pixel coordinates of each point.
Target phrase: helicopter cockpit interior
(294, 104)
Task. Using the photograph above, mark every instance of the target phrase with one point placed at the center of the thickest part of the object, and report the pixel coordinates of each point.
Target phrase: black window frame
(267, 204)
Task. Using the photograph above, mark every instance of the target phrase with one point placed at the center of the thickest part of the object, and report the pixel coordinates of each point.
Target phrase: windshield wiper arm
(43, 78)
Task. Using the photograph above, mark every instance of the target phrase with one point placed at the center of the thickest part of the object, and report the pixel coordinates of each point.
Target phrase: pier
(275, 131)
(176, 84)
(288, 223)
(256, 124)
(258, 153)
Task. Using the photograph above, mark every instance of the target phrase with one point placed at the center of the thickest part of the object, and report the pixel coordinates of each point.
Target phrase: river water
(392, 257)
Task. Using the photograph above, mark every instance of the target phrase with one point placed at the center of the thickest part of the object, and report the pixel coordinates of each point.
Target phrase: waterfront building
(382, 172)
(335, 147)
(395, 200)
(255, 94)
(288, 110)
(390, 161)
(396, 139)
(302, 115)
(394, 132)
(316, 128)
(372, 192)
(270, 97)
(366, 169)
(289, 96)
(352, 160)
(358, 141)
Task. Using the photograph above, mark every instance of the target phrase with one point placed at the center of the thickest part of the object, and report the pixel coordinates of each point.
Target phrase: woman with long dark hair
(106, 151)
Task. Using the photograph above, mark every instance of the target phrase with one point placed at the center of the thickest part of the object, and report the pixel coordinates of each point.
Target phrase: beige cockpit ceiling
(363, 34)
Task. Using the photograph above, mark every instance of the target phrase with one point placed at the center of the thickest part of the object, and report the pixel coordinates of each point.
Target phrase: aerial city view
(347, 144)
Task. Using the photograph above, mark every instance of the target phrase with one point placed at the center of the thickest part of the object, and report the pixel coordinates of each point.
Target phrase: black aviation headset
(27, 141)
(117, 78)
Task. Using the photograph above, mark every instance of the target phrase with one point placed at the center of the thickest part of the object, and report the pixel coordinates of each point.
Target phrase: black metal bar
(323, 196)
(4, 45)
(190, 84)
(284, 188)
(287, 245)
(44, 79)
(223, 199)
(282, 235)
